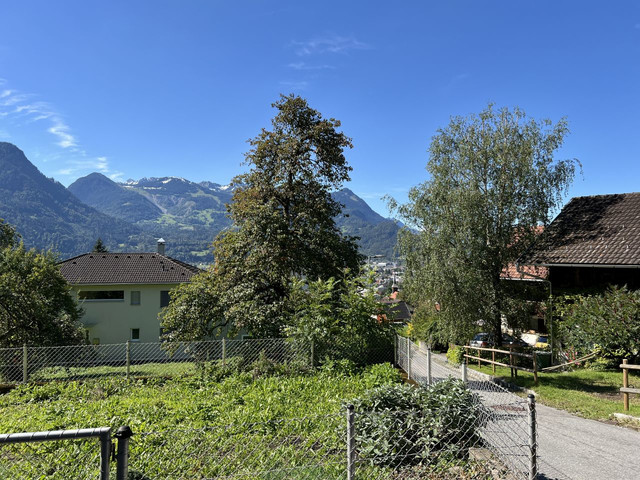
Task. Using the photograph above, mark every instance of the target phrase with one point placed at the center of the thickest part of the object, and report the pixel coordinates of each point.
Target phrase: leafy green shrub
(402, 425)
(381, 374)
(217, 370)
(608, 324)
(339, 321)
(342, 367)
(455, 355)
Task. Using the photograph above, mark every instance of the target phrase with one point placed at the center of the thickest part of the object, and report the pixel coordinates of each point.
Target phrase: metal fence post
(429, 366)
(25, 364)
(408, 358)
(224, 351)
(351, 443)
(122, 455)
(105, 454)
(533, 444)
(463, 369)
(128, 358)
(313, 354)
(395, 350)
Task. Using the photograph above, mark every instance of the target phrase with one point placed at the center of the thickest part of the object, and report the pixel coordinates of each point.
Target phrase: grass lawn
(588, 393)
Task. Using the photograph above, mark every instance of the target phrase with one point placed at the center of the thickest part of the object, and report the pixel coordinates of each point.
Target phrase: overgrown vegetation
(455, 355)
(339, 320)
(607, 323)
(195, 423)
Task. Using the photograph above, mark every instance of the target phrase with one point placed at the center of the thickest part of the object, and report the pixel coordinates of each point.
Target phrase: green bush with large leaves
(403, 425)
(608, 324)
(340, 320)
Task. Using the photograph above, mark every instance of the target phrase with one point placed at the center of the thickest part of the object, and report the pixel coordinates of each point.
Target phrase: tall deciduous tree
(283, 216)
(493, 180)
(36, 306)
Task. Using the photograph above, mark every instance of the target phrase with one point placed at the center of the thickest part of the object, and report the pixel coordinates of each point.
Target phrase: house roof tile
(125, 268)
(594, 230)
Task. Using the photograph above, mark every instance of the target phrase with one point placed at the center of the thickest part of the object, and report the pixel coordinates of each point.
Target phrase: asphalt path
(575, 448)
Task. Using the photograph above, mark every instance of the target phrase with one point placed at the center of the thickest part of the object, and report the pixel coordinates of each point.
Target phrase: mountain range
(131, 215)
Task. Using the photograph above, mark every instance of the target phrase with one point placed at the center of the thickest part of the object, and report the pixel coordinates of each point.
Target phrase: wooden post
(625, 384)
(493, 359)
(535, 369)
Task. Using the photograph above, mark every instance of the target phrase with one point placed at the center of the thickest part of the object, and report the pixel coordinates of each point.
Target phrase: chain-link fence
(507, 424)
(491, 435)
(61, 454)
(135, 359)
(379, 444)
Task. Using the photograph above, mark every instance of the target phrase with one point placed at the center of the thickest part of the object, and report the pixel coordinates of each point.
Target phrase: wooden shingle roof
(125, 268)
(595, 230)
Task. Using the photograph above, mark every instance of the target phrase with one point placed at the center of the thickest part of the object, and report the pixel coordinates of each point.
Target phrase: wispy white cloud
(86, 164)
(305, 66)
(61, 130)
(18, 109)
(328, 44)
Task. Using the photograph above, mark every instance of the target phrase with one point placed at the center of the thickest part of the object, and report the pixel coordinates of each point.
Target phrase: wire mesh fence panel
(436, 443)
(11, 362)
(75, 362)
(278, 350)
(170, 359)
(308, 448)
(56, 460)
(505, 429)
(136, 359)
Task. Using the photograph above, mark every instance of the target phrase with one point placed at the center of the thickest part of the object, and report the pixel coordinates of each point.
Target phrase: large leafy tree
(493, 179)
(36, 306)
(196, 310)
(341, 318)
(283, 218)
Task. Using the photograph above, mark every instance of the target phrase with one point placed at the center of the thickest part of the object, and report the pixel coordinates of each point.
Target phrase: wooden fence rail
(512, 366)
(625, 390)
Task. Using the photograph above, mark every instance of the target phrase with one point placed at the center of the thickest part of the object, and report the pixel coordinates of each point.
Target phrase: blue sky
(158, 88)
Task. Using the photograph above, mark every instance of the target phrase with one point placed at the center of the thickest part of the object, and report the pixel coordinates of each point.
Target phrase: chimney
(161, 243)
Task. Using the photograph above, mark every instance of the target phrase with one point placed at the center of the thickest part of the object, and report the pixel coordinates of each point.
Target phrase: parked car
(485, 340)
(536, 340)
